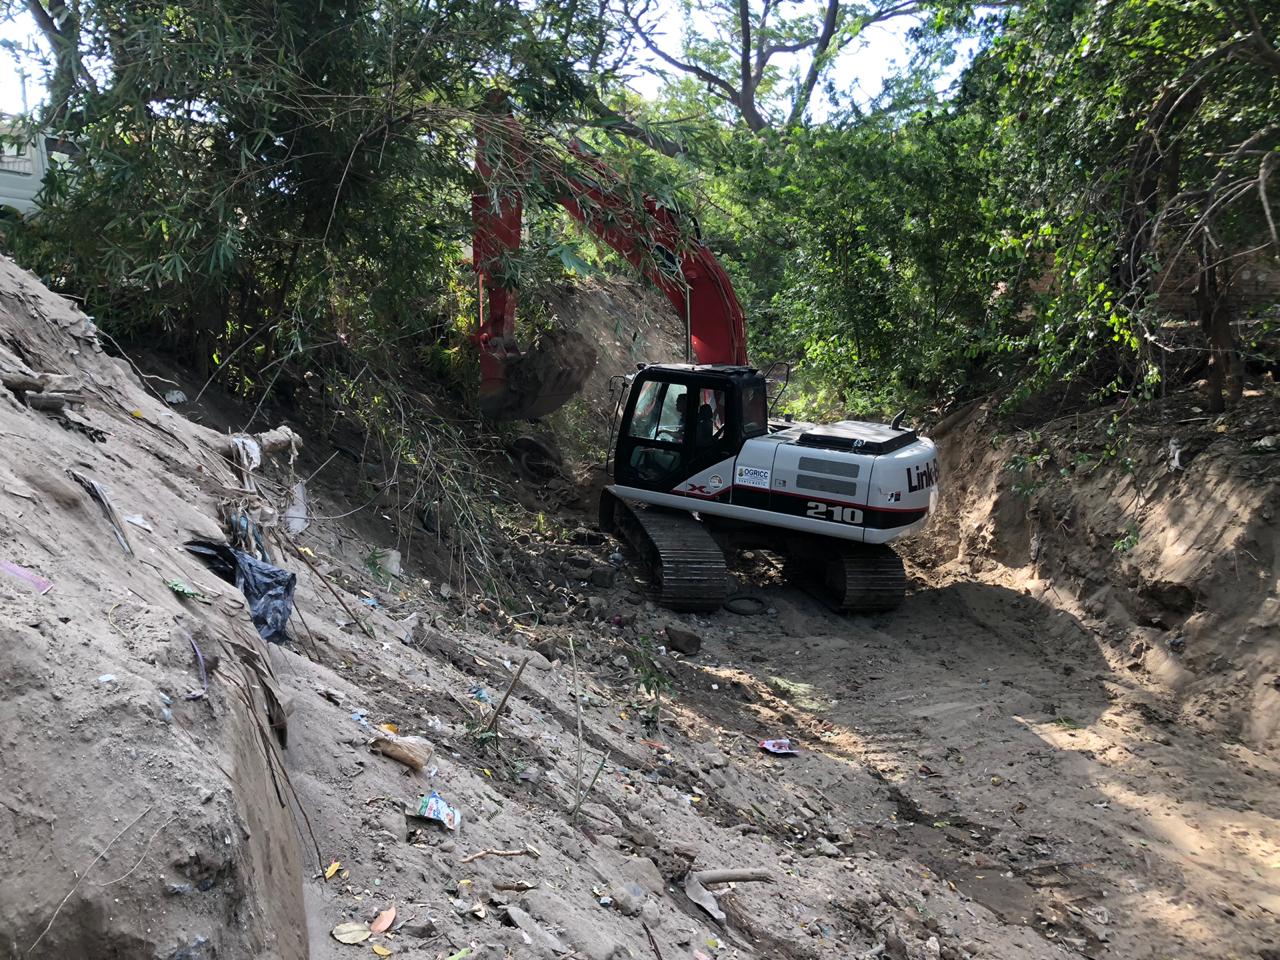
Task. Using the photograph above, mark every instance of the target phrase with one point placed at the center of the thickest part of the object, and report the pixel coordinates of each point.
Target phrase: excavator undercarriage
(686, 560)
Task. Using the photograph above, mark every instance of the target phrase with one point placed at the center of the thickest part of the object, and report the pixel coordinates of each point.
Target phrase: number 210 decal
(833, 511)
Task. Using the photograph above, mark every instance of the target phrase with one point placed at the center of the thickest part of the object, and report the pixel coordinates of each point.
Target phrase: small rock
(577, 568)
(683, 640)
(626, 902)
(824, 847)
(422, 929)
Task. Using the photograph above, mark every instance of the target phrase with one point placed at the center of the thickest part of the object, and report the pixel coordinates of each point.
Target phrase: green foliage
(281, 188)
(291, 178)
(1024, 236)
(1128, 540)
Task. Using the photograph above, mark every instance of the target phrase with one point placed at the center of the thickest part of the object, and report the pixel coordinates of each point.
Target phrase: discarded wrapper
(783, 747)
(433, 807)
(414, 752)
(37, 582)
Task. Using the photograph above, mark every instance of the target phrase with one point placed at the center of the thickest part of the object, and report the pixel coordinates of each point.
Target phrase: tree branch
(805, 91)
(690, 68)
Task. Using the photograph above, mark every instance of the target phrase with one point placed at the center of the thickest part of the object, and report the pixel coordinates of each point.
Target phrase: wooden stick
(594, 777)
(368, 631)
(526, 852)
(517, 886)
(577, 707)
(492, 725)
(708, 877)
(652, 942)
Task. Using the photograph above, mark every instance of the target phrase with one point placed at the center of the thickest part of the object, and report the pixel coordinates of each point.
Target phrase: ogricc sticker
(752, 477)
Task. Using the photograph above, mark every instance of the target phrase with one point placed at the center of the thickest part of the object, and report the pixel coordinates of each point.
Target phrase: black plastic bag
(268, 588)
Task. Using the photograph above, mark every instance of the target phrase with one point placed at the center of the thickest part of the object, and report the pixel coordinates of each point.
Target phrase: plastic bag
(268, 588)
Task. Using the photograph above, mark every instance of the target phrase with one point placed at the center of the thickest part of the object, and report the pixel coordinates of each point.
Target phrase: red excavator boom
(516, 384)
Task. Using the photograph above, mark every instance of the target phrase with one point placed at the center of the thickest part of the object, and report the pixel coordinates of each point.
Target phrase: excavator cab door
(652, 444)
(678, 423)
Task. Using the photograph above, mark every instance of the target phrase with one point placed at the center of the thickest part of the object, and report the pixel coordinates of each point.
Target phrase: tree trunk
(1226, 370)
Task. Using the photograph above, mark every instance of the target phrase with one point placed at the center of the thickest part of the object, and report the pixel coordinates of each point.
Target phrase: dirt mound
(628, 323)
(143, 816)
(1157, 528)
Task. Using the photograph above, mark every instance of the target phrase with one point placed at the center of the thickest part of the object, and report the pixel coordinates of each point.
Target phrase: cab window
(660, 412)
(755, 411)
(711, 417)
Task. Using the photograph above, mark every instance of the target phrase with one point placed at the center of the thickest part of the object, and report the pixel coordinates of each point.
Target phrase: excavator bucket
(525, 385)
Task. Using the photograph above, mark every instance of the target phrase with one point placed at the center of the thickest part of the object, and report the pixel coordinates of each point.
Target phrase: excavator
(700, 468)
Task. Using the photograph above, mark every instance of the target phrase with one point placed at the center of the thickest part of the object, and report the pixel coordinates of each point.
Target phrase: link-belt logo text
(921, 478)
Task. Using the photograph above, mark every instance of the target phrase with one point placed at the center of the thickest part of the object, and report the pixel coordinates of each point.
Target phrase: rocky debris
(682, 640)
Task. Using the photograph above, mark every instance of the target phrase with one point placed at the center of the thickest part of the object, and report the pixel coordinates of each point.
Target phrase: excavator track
(685, 563)
(859, 579)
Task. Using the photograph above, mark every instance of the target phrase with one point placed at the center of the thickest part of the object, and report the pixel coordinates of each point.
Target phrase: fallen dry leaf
(333, 868)
(383, 921)
(380, 950)
(352, 932)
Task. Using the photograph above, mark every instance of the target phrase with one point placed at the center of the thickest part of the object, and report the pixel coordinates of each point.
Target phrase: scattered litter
(268, 588)
(695, 885)
(99, 494)
(477, 692)
(1099, 915)
(384, 920)
(460, 955)
(703, 897)
(204, 673)
(247, 451)
(391, 563)
(369, 601)
(389, 728)
(532, 931)
(783, 747)
(138, 520)
(295, 515)
(107, 678)
(433, 807)
(359, 716)
(184, 589)
(175, 396)
(332, 869)
(41, 585)
(352, 932)
(414, 752)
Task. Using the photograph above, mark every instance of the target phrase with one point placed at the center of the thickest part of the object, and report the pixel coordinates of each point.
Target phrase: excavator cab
(682, 419)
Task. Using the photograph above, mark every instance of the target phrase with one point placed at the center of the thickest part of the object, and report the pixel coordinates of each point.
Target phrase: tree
(738, 63)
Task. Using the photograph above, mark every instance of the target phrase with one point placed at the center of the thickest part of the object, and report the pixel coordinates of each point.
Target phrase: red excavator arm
(516, 384)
